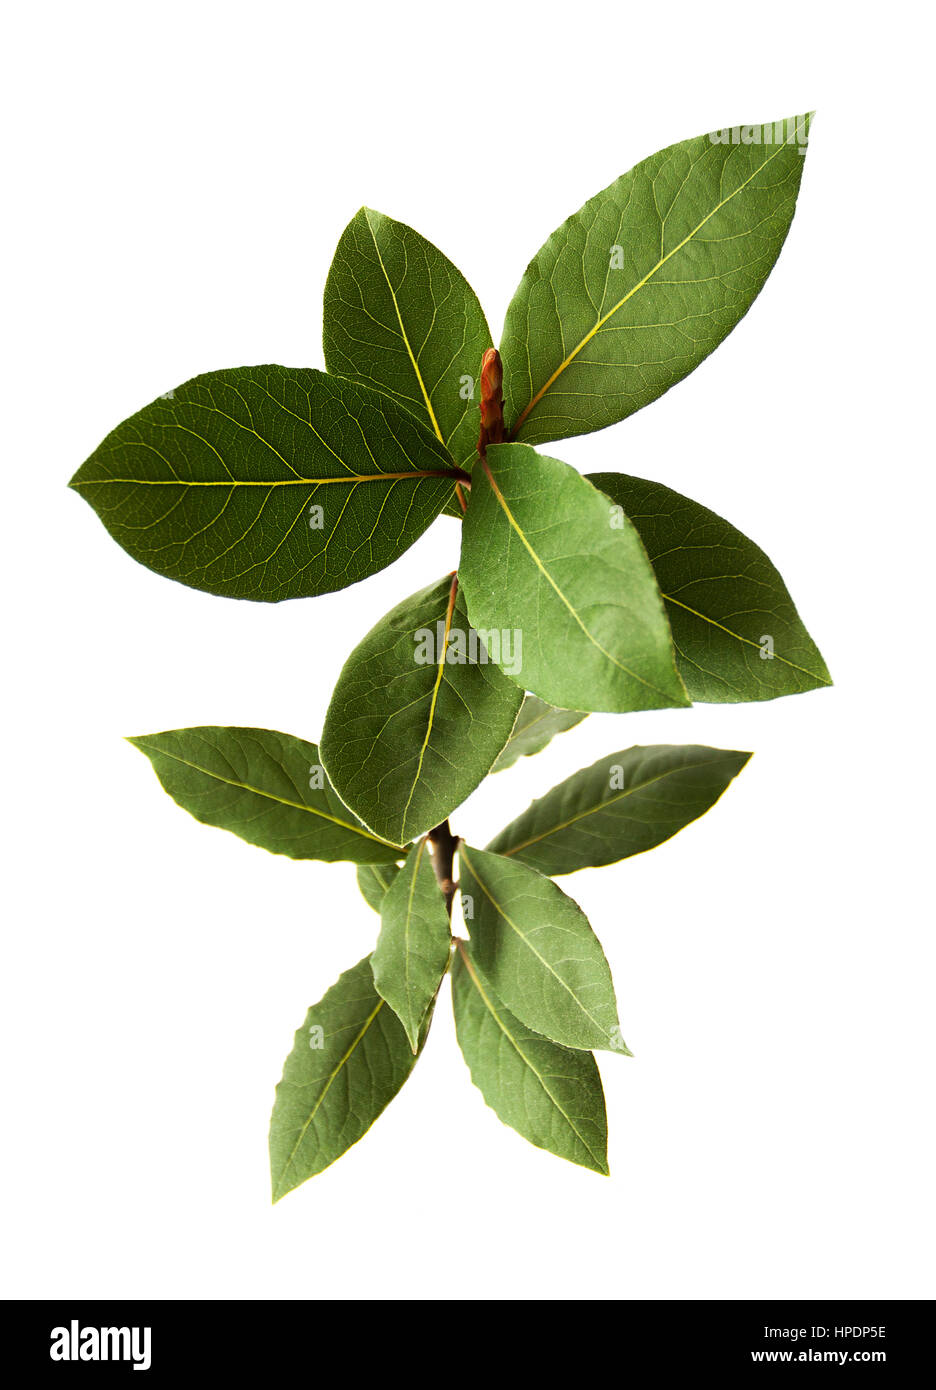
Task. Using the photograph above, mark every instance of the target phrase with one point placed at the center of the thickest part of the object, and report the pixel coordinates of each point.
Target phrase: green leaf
(374, 880)
(268, 483)
(623, 804)
(537, 949)
(268, 788)
(399, 316)
(414, 724)
(546, 561)
(537, 724)
(412, 950)
(550, 1094)
(349, 1059)
(636, 288)
(736, 632)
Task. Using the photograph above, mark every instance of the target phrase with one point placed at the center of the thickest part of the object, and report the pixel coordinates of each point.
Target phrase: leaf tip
(278, 1187)
(371, 216)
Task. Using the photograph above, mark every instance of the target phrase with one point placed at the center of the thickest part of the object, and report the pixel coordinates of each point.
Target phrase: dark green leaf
(268, 788)
(550, 1094)
(399, 316)
(349, 1059)
(546, 561)
(414, 723)
(268, 482)
(537, 724)
(623, 804)
(736, 632)
(537, 949)
(374, 880)
(637, 287)
(412, 950)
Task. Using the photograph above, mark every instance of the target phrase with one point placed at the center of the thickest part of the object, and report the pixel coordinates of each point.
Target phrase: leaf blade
(257, 784)
(624, 804)
(549, 1094)
(724, 598)
(536, 947)
(331, 1094)
(635, 289)
(401, 317)
(267, 483)
(374, 880)
(541, 560)
(395, 720)
(537, 725)
(412, 951)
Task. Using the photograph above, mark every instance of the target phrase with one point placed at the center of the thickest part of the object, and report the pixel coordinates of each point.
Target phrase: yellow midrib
(523, 1057)
(409, 917)
(602, 805)
(502, 501)
(432, 704)
(351, 478)
(314, 1111)
(403, 334)
(526, 941)
(738, 638)
(535, 400)
(269, 796)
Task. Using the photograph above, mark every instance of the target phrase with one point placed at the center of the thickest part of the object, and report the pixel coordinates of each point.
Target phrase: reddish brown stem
(492, 401)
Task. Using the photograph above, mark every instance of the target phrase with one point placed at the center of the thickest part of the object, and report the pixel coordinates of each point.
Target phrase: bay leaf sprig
(565, 594)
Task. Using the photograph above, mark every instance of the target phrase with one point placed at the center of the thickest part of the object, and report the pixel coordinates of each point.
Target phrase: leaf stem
(444, 844)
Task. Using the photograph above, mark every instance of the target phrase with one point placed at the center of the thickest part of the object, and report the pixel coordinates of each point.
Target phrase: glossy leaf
(736, 632)
(537, 724)
(552, 1095)
(412, 950)
(268, 788)
(542, 562)
(268, 482)
(623, 804)
(374, 880)
(537, 949)
(414, 723)
(636, 288)
(401, 317)
(349, 1059)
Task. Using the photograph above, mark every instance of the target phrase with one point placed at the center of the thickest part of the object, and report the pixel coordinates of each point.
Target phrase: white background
(179, 175)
